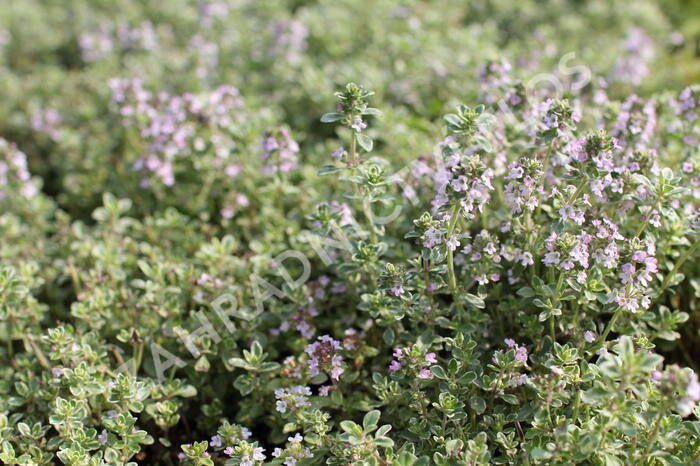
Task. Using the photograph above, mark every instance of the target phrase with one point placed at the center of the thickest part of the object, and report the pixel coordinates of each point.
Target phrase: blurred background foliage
(287, 57)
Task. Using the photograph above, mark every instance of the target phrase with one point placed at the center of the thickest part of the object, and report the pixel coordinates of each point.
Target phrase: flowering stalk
(352, 106)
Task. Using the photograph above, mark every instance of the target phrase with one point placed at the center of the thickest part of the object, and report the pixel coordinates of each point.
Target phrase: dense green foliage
(217, 249)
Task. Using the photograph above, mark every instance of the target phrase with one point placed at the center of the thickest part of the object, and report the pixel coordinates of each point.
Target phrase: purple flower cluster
(567, 251)
(481, 258)
(687, 103)
(635, 276)
(692, 396)
(294, 452)
(687, 108)
(103, 40)
(520, 351)
(676, 381)
(251, 457)
(173, 127)
(597, 150)
(410, 357)
(289, 41)
(302, 321)
(14, 173)
(236, 201)
(463, 178)
(557, 115)
(632, 66)
(293, 398)
(48, 121)
(518, 380)
(492, 76)
(524, 189)
(324, 354)
(279, 151)
(636, 123)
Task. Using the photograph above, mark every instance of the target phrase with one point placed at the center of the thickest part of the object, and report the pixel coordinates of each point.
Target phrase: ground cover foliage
(297, 232)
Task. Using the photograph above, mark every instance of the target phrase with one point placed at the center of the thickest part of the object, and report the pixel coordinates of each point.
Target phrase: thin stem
(579, 188)
(368, 215)
(608, 328)
(545, 165)
(555, 302)
(450, 255)
(10, 351)
(679, 263)
(353, 149)
(74, 277)
(577, 404)
(642, 226)
(545, 162)
(654, 434)
(43, 362)
(360, 191)
(426, 275)
(552, 329)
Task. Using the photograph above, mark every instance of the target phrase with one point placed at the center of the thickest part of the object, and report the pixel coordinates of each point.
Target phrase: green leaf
(469, 377)
(474, 300)
(540, 454)
(388, 336)
(538, 303)
(244, 384)
(351, 427)
(332, 117)
(439, 372)
(256, 349)
(23, 429)
(385, 442)
(365, 142)
(369, 423)
(594, 396)
(510, 399)
(372, 111)
(269, 366)
(406, 458)
(328, 169)
(454, 446)
(383, 430)
(478, 404)
(452, 119)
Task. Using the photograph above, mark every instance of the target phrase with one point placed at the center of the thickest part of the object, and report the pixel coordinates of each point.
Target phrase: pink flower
(453, 243)
(357, 124)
